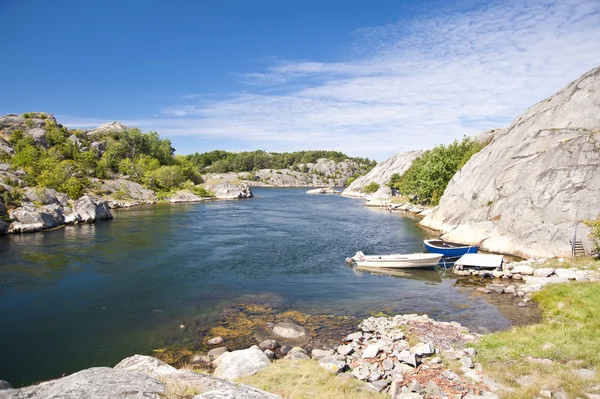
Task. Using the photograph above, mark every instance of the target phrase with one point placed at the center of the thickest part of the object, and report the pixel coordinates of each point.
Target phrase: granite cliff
(528, 191)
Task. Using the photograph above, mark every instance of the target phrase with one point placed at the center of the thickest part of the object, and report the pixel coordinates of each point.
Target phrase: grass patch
(582, 262)
(399, 199)
(547, 355)
(306, 379)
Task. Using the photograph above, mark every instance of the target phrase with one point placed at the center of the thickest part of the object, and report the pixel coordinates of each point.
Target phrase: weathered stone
(414, 386)
(47, 196)
(217, 352)
(226, 189)
(107, 128)
(236, 364)
(511, 289)
(466, 362)
(297, 353)
(345, 349)
(470, 351)
(97, 382)
(407, 357)
(371, 351)
(433, 389)
(3, 228)
(185, 196)
(215, 341)
(543, 272)
(290, 332)
(498, 288)
(524, 270)
(523, 193)
(285, 349)
(29, 218)
(333, 363)
(4, 385)
(91, 209)
(379, 385)
(269, 344)
(423, 349)
(382, 173)
(270, 354)
(39, 136)
(321, 353)
(357, 336)
(566, 273)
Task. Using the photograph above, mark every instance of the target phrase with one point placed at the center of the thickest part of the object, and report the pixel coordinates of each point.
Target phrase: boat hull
(449, 250)
(413, 261)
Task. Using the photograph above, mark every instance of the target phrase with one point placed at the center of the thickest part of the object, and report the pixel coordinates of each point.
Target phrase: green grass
(584, 262)
(304, 379)
(569, 335)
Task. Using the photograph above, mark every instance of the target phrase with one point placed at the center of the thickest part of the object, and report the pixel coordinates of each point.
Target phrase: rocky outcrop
(46, 196)
(123, 193)
(324, 190)
(24, 123)
(107, 128)
(90, 209)
(525, 192)
(5, 147)
(136, 377)
(324, 172)
(29, 218)
(38, 135)
(382, 173)
(186, 196)
(228, 189)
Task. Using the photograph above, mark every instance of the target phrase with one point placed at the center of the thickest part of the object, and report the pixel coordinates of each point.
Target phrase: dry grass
(305, 379)
(548, 355)
(584, 263)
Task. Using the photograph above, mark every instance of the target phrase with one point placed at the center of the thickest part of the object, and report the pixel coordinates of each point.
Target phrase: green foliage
(223, 162)
(595, 233)
(429, 174)
(166, 178)
(370, 188)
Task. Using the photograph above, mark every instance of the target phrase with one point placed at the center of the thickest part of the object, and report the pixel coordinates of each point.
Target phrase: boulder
(190, 380)
(39, 136)
(46, 196)
(543, 272)
(327, 190)
(297, 353)
(236, 364)
(107, 128)
(5, 147)
(217, 352)
(29, 218)
(321, 353)
(215, 341)
(90, 209)
(525, 192)
(423, 349)
(371, 351)
(333, 363)
(566, 273)
(290, 333)
(4, 385)
(97, 382)
(270, 344)
(524, 270)
(3, 228)
(2, 209)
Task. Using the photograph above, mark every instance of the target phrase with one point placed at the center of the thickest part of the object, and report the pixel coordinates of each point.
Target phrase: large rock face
(90, 209)
(228, 189)
(322, 173)
(382, 173)
(124, 193)
(136, 377)
(525, 192)
(107, 128)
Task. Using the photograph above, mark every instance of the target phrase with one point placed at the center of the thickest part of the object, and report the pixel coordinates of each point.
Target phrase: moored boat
(396, 261)
(449, 249)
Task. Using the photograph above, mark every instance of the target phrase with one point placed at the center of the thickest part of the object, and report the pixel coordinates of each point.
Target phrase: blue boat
(449, 249)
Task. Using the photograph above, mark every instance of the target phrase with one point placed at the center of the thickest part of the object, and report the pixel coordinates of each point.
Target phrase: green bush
(429, 174)
(595, 233)
(370, 188)
(166, 178)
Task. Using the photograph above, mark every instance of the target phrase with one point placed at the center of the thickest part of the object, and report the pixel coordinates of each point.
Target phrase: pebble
(215, 341)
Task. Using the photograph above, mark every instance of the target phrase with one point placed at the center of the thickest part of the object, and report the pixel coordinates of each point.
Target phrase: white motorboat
(396, 261)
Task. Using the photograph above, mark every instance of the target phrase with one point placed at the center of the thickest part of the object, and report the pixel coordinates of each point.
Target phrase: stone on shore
(543, 272)
(215, 341)
(333, 363)
(297, 353)
(236, 364)
(91, 209)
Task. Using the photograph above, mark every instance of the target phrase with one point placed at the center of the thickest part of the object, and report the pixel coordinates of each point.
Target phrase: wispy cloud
(414, 84)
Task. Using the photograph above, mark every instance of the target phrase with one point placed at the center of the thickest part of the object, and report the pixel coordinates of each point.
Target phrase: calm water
(91, 295)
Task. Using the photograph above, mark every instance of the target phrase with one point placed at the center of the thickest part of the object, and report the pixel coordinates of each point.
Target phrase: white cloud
(414, 85)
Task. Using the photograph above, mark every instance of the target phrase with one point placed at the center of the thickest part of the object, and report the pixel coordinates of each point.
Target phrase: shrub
(595, 233)
(166, 177)
(429, 174)
(370, 188)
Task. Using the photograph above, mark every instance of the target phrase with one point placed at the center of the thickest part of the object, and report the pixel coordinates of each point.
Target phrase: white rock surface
(382, 173)
(524, 192)
(236, 364)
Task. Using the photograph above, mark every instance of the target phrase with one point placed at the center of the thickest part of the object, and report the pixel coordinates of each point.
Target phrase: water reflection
(432, 276)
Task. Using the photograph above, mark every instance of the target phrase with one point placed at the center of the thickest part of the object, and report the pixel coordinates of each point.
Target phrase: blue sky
(371, 79)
